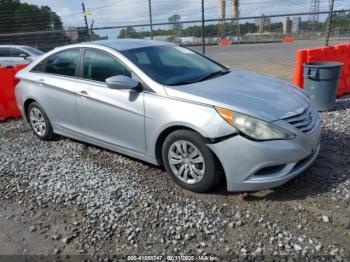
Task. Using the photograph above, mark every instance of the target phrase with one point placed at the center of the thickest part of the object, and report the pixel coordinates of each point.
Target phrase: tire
(39, 122)
(186, 162)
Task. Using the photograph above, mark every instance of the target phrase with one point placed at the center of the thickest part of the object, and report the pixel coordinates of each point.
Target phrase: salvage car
(173, 107)
(11, 55)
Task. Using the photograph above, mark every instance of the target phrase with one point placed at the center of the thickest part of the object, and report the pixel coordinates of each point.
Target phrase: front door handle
(83, 93)
(41, 81)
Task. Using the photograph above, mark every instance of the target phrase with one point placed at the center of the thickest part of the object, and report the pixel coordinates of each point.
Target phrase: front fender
(162, 112)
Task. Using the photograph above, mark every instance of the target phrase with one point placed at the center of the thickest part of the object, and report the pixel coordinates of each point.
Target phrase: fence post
(150, 17)
(329, 23)
(203, 29)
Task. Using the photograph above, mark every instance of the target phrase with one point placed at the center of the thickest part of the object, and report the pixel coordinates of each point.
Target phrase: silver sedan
(168, 105)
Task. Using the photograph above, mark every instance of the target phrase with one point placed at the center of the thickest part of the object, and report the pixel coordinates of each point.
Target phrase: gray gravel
(103, 203)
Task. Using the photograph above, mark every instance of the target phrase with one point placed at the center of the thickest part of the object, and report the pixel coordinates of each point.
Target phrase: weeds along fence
(202, 32)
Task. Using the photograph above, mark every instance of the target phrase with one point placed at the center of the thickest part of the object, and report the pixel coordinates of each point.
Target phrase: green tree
(17, 17)
(341, 22)
(176, 26)
(128, 32)
(23, 17)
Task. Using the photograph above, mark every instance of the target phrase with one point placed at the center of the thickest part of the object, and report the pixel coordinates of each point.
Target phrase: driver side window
(99, 66)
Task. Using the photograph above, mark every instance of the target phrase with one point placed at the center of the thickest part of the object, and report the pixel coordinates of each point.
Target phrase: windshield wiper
(211, 75)
(203, 78)
(182, 83)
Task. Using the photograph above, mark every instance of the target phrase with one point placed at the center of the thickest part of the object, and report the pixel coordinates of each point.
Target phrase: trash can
(321, 83)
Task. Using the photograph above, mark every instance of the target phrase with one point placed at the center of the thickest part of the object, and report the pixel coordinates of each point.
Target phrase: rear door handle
(83, 93)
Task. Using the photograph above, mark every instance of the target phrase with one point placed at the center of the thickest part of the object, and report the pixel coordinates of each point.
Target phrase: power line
(186, 22)
(186, 13)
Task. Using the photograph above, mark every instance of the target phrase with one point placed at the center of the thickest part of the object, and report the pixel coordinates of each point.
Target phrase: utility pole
(329, 23)
(86, 23)
(203, 29)
(150, 17)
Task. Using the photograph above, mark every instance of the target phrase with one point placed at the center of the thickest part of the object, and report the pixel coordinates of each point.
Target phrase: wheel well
(168, 131)
(163, 136)
(26, 106)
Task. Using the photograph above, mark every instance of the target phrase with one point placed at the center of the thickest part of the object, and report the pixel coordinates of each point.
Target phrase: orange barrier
(335, 53)
(225, 42)
(288, 39)
(8, 105)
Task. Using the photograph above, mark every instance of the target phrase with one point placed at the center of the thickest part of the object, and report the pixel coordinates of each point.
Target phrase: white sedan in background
(17, 54)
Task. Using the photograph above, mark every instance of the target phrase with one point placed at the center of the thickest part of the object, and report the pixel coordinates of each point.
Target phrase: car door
(115, 117)
(55, 89)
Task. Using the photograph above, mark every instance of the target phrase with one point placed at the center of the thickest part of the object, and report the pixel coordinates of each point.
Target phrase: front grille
(304, 121)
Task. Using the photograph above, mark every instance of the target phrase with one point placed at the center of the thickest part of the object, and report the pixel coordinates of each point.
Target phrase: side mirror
(122, 82)
(24, 56)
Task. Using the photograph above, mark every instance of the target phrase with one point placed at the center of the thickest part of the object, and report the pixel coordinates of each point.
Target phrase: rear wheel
(39, 122)
(189, 161)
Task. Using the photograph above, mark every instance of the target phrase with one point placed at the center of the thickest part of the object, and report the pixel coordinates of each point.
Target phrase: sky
(123, 12)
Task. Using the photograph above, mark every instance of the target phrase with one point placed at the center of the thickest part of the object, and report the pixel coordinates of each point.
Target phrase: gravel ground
(86, 200)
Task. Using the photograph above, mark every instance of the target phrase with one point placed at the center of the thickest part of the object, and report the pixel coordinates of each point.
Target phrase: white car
(16, 54)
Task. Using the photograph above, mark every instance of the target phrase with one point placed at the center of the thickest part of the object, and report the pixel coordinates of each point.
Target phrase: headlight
(253, 127)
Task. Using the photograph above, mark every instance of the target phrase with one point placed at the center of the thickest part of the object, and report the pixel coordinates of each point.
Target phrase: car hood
(264, 97)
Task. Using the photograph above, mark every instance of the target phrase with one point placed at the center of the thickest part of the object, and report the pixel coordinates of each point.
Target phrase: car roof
(126, 44)
(19, 46)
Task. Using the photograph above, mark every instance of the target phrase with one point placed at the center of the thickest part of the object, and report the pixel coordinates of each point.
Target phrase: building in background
(222, 17)
(287, 25)
(76, 34)
(263, 23)
(72, 33)
(296, 20)
(314, 16)
(235, 21)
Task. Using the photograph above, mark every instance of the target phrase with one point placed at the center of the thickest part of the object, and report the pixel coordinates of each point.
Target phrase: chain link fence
(257, 29)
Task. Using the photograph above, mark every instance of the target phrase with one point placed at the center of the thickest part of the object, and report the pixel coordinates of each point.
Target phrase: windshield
(32, 50)
(174, 65)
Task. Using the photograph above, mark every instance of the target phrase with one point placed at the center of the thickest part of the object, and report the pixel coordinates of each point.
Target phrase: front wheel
(189, 161)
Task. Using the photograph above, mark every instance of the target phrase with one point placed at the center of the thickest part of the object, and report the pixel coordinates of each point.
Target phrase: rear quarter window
(63, 63)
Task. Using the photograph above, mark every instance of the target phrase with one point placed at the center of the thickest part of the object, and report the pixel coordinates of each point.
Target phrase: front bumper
(253, 166)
